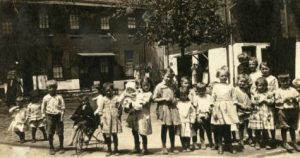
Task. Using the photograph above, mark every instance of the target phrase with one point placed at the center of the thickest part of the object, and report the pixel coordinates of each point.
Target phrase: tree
(181, 22)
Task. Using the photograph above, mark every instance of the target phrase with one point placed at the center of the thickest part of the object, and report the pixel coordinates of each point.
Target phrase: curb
(269, 153)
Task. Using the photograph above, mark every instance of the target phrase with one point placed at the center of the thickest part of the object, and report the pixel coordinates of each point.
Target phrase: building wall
(34, 47)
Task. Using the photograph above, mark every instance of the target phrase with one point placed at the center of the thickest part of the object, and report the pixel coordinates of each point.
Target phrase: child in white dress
(187, 115)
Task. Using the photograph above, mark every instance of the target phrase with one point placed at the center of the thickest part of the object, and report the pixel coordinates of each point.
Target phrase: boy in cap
(53, 107)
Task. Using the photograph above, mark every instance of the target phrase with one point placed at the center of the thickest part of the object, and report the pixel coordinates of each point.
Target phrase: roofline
(88, 3)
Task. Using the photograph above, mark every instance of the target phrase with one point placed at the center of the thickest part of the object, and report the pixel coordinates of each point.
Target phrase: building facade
(78, 43)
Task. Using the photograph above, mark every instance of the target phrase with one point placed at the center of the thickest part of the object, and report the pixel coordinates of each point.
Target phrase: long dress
(187, 115)
(143, 115)
(110, 112)
(224, 111)
(263, 115)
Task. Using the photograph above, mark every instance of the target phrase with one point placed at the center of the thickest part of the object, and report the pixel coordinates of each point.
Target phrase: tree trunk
(182, 51)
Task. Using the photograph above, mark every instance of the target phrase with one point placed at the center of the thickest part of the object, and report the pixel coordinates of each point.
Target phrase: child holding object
(262, 118)
(164, 95)
(142, 106)
(287, 104)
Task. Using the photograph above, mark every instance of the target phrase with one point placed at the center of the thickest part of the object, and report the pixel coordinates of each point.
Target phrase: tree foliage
(182, 22)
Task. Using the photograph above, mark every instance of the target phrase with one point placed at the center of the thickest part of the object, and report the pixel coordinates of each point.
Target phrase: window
(43, 20)
(74, 22)
(7, 27)
(250, 50)
(104, 66)
(104, 23)
(57, 64)
(128, 63)
(131, 23)
(57, 71)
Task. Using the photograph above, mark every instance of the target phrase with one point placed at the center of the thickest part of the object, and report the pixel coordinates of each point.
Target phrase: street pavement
(11, 148)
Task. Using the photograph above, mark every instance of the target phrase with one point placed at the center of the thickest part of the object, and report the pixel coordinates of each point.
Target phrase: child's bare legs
(73, 135)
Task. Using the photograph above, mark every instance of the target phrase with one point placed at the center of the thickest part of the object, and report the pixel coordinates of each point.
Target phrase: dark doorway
(184, 64)
(95, 69)
(202, 65)
(282, 56)
(26, 72)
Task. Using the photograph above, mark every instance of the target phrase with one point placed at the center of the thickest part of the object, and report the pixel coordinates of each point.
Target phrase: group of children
(256, 106)
(47, 115)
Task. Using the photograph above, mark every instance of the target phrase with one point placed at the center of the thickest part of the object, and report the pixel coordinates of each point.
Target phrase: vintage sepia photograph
(150, 78)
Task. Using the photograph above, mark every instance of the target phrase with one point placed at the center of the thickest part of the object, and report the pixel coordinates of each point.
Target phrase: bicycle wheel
(79, 141)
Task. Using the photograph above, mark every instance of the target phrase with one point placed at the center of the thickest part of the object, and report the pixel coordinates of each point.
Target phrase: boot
(116, 151)
(195, 146)
(285, 144)
(295, 145)
(109, 152)
(220, 149)
(136, 149)
(164, 150)
(61, 144)
(203, 145)
(173, 149)
(51, 151)
(145, 150)
(22, 137)
(232, 150)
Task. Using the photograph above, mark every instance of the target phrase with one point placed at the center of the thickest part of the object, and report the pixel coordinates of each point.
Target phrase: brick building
(75, 42)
